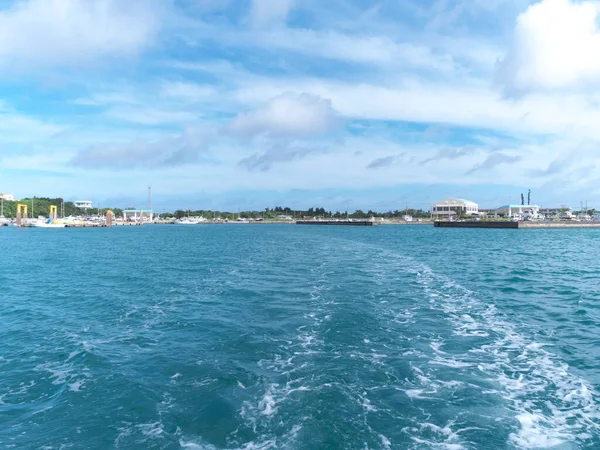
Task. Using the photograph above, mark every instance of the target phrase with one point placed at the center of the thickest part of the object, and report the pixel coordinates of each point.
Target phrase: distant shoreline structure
(514, 225)
(349, 222)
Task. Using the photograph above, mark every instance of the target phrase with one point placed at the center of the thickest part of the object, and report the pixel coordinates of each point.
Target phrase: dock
(356, 223)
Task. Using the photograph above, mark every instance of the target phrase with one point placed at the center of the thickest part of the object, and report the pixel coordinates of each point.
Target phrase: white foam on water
(58, 372)
(264, 442)
(203, 382)
(267, 405)
(385, 441)
(266, 413)
(414, 393)
(152, 430)
(366, 403)
(194, 446)
(552, 405)
(76, 385)
(435, 345)
(403, 317)
(451, 362)
(441, 437)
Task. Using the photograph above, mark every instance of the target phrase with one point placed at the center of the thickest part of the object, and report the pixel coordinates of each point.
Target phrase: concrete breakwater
(356, 223)
(516, 225)
(481, 224)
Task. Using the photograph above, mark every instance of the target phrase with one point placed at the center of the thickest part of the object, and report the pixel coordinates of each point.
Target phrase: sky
(247, 104)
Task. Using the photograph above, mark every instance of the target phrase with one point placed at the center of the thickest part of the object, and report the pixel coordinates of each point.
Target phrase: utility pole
(150, 198)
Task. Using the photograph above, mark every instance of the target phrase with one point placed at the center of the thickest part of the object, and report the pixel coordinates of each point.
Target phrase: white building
(519, 210)
(85, 204)
(8, 197)
(454, 207)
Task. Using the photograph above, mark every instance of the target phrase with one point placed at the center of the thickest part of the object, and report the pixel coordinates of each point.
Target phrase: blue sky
(231, 104)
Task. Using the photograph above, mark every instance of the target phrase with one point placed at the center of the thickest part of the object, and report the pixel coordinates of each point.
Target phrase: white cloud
(370, 47)
(170, 151)
(107, 98)
(71, 32)
(186, 92)
(151, 116)
(556, 46)
(288, 115)
(263, 12)
(17, 128)
(333, 45)
(466, 103)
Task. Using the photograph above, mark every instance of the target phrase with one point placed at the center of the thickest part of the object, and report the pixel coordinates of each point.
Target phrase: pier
(356, 223)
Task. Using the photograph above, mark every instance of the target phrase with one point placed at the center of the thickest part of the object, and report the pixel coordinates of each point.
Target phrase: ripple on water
(284, 338)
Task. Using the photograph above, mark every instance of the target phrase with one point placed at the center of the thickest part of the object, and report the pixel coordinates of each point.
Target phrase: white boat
(47, 224)
(190, 220)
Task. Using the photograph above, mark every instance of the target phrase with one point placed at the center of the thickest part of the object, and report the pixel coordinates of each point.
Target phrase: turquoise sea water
(291, 337)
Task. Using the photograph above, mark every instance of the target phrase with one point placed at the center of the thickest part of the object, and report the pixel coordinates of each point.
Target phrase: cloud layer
(72, 32)
(287, 115)
(173, 151)
(208, 96)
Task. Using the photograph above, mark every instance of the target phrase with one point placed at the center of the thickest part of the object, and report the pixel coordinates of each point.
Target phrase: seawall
(516, 225)
(356, 223)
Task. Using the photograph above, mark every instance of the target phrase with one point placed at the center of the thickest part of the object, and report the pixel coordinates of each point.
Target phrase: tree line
(41, 207)
(280, 212)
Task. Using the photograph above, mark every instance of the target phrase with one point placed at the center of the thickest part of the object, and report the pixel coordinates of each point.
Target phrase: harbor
(43, 212)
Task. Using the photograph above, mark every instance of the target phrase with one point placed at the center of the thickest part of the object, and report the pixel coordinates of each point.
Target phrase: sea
(248, 336)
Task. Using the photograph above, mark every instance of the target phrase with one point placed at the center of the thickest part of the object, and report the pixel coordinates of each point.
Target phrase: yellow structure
(109, 218)
(21, 213)
(53, 212)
